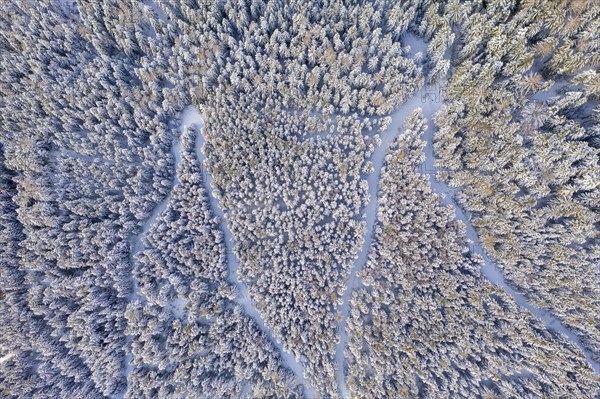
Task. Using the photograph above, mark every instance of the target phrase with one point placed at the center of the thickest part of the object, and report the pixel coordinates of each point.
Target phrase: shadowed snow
(417, 45)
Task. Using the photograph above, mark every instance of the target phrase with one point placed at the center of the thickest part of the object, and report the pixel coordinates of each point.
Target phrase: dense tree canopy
(119, 223)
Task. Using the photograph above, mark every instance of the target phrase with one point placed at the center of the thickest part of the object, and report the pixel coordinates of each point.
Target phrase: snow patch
(178, 307)
(548, 93)
(417, 45)
(6, 358)
(159, 11)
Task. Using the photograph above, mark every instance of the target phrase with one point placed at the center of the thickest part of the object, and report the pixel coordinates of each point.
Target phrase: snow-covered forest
(299, 199)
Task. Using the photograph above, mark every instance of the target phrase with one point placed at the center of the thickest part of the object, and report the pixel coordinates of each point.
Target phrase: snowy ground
(428, 97)
(557, 87)
(192, 117)
(159, 12)
(417, 45)
(6, 358)
(550, 92)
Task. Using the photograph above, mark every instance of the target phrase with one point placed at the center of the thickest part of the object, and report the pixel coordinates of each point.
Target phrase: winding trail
(429, 100)
(137, 246)
(161, 206)
(190, 116)
(137, 242)
(418, 99)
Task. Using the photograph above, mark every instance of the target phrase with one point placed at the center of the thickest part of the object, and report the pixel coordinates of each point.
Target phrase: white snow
(429, 100)
(190, 117)
(178, 307)
(555, 88)
(159, 11)
(6, 358)
(417, 45)
(138, 240)
(548, 93)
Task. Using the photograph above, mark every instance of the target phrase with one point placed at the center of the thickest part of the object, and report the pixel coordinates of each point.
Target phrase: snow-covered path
(429, 100)
(138, 240)
(137, 245)
(161, 206)
(420, 99)
(191, 117)
(489, 269)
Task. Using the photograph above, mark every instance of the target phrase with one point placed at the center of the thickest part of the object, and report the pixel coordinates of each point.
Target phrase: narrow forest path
(191, 117)
(420, 99)
(489, 269)
(137, 245)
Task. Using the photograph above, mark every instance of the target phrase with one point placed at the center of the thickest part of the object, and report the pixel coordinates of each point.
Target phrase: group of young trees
(426, 324)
